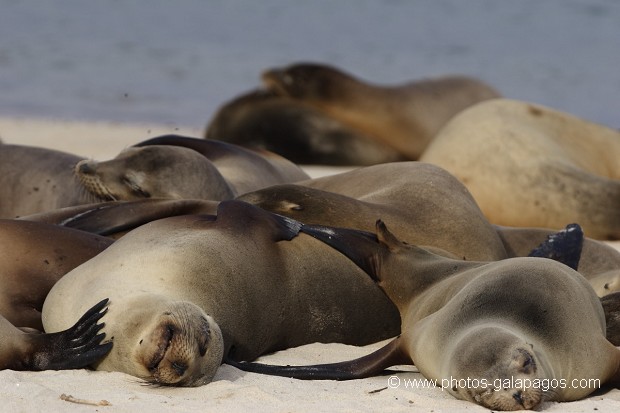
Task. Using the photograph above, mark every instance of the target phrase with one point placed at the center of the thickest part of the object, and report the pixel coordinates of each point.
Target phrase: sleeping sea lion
(178, 167)
(528, 165)
(154, 172)
(492, 333)
(34, 257)
(196, 288)
(244, 169)
(405, 117)
(261, 119)
(423, 203)
(37, 179)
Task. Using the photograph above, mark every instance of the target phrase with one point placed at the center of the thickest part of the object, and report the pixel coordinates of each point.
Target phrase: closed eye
(135, 188)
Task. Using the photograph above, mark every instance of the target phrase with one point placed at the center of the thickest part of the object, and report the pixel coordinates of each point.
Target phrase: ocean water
(176, 62)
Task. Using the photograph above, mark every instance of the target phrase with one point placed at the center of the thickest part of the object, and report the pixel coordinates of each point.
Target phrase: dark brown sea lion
(405, 117)
(262, 119)
(34, 257)
(423, 203)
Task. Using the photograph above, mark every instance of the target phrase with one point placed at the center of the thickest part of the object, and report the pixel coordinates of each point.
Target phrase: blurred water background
(176, 62)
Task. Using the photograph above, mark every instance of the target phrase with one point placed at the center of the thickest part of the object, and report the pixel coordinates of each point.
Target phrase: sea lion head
(163, 342)
(157, 171)
(496, 369)
(308, 81)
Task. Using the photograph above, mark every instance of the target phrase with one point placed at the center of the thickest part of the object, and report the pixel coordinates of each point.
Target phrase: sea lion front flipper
(372, 364)
(245, 216)
(564, 246)
(74, 348)
(112, 218)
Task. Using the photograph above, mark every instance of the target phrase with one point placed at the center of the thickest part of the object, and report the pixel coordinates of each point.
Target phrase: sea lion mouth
(507, 399)
(86, 173)
(162, 348)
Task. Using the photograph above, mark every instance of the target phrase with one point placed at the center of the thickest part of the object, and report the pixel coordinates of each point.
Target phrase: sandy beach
(232, 390)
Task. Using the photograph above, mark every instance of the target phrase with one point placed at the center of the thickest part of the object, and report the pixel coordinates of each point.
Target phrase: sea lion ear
(386, 238)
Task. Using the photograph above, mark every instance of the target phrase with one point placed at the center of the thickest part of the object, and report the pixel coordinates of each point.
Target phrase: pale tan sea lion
(494, 333)
(528, 165)
(197, 288)
(405, 117)
(262, 119)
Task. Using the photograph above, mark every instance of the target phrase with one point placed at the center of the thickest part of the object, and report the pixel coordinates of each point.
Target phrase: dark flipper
(359, 246)
(370, 365)
(245, 216)
(611, 307)
(565, 246)
(110, 218)
(75, 348)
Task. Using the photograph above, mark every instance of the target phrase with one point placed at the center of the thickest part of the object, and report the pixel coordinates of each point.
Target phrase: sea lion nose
(518, 396)
(85, 167)
(179, 368)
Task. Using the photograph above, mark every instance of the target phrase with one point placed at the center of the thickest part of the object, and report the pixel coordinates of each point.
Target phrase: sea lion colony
(165, 201)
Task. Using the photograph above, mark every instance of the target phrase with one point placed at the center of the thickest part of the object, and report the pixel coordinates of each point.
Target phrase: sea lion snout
(184, 349)
(86, 167)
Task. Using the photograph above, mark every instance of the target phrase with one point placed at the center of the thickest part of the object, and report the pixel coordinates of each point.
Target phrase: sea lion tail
(370, 365)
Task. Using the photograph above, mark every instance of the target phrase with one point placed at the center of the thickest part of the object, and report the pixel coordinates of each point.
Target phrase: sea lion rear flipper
(74, 348)
(244, 215)
(370, 365)
(564, 246)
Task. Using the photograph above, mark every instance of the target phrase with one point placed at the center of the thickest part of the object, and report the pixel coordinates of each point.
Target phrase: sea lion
(34, 257)
(74, 348)
(36, 179)
(196, 287)
(423, 203)
(529, 165)
(154, 171)
(244, 169)
(261, 119)
(405, 117)
(491, 333)
(172, 166)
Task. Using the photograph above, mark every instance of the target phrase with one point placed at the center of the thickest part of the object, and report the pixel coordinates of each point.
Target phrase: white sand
(231, 390)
